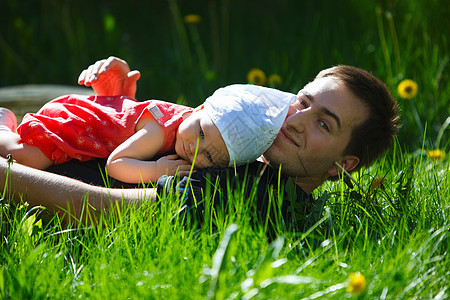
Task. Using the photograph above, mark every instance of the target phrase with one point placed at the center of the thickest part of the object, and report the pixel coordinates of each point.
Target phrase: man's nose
(298, 120)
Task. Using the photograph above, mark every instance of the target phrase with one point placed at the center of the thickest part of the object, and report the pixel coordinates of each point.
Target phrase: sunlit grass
(396, 236)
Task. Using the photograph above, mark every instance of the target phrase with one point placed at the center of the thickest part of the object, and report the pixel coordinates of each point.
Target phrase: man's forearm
(58, 193)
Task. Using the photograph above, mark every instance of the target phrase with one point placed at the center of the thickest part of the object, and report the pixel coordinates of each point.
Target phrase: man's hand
(110, 77)
(172, 164)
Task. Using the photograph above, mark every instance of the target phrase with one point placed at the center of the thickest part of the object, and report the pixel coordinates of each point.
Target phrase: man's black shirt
(272, 192)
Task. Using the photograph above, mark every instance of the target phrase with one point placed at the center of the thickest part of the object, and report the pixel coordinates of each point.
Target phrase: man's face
(316, 131)
(199, 131)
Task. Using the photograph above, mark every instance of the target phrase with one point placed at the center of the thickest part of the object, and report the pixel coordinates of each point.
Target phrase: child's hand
(110, 77)
(172, 164)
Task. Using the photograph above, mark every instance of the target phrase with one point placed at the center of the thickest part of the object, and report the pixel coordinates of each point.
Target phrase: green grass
(396, 235)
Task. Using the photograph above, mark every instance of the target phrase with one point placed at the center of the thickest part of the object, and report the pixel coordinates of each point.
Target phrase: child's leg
(10, 144)
(8, 120)
(23, 153)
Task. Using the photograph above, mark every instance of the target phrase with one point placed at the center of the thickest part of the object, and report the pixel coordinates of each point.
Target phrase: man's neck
(308, 184)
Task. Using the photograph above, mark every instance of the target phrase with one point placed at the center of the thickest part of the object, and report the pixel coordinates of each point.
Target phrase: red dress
(87, 127)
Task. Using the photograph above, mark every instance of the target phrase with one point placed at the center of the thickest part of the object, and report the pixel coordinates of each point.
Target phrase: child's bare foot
(8, 120)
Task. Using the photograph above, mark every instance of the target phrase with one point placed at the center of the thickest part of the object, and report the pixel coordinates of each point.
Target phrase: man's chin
(272, 163)
(273, 156)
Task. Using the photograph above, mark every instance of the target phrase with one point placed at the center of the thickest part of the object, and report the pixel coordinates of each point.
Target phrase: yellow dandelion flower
(256, 76)
(378, 183)
(24, 205)
(436, 154)
(407, 89)
(356, 283)
(274, 80)
(192, 19)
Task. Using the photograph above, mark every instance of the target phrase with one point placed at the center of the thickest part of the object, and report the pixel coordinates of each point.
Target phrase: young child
(234, 126)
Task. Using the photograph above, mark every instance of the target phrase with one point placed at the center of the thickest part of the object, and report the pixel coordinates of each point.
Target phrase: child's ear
(348, 162)
(186, 115)
(198, 108)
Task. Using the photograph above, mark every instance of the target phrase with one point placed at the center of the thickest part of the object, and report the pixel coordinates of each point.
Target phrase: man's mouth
(288, 136)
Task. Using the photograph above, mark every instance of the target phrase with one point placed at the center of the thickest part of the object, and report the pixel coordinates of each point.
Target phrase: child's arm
(128, 162)
(110, 77)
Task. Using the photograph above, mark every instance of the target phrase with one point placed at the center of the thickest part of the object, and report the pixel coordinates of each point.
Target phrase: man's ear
(348, 162)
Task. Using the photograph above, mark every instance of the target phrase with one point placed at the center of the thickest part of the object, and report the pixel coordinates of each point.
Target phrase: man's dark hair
(376, 134)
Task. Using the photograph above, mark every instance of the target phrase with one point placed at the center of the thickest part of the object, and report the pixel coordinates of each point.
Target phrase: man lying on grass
(345, 116)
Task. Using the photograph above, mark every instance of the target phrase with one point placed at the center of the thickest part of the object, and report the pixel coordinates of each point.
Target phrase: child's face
(198, 131)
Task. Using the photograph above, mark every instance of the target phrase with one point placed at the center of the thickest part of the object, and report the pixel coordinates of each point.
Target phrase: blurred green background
(52, 41)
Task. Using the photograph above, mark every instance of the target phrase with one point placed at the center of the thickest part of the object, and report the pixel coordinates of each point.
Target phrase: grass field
(385, 238)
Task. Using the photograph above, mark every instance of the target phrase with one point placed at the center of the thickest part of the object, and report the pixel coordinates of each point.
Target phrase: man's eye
(324, 126)
(303, 102)
(202, 134)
